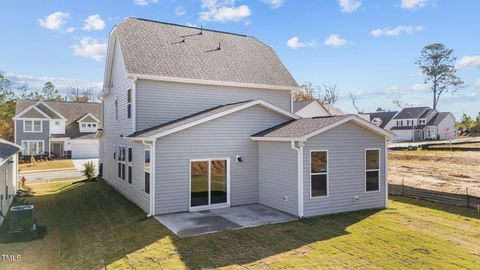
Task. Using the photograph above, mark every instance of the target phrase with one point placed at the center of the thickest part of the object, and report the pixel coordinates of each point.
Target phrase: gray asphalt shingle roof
(435, 121)
(413, 112)
(7, 149)
(72, 111)
(301, 127)
(177, 51)
(186, 120)
(300, 104)
(384, 116)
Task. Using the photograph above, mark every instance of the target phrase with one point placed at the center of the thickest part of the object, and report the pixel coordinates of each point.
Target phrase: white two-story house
(196, 119)
(416, 124)
(57, 129)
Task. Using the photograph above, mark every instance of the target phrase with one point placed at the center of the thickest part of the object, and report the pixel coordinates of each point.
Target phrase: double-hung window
(147, 171)
(130, 165)
(121, 162)
(129, 103)
(318, 173)
(372, 170)
(32, 125)
(33, 147)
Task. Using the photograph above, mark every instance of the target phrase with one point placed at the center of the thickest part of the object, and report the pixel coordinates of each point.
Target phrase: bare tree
(329, 94)
(354, 100)
(400, 104)
(85, 95)
(307, 92)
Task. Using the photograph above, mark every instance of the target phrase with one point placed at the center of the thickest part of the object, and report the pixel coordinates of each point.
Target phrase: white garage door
(84, 148)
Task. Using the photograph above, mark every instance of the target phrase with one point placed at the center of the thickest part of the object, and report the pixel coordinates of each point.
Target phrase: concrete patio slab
(217, 220)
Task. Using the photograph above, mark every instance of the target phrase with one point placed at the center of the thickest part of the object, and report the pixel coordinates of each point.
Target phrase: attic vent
(201, 30)
(219, 46)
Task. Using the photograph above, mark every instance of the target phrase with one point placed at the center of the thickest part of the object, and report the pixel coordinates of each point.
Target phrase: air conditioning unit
(21, 218)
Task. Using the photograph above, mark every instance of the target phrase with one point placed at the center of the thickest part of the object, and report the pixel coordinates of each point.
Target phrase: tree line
(9, 95)
(469, 125)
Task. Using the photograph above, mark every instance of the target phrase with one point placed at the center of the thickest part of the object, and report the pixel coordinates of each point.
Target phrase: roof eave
(211, 82)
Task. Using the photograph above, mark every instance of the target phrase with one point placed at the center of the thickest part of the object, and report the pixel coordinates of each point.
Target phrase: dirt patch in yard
(448, 171)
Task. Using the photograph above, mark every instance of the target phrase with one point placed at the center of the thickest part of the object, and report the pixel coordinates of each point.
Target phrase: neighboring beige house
(313, 108)
(8, 175)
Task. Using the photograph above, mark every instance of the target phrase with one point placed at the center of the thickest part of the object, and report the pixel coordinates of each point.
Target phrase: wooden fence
(463, 200)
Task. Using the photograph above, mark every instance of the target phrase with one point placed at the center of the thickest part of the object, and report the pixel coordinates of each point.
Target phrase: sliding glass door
(209, 183)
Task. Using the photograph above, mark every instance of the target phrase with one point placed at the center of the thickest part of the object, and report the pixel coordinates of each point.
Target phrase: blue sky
(367, 48)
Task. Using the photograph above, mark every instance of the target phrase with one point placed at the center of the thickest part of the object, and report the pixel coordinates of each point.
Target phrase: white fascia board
(211, 82)
(19, 116)
(276, 139)
(109, 62)
(50, 108)
(88, 114)
(221, 114)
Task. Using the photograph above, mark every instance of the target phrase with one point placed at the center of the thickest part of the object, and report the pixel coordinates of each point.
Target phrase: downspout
(386, 172)
(299, 150)
(152, 177)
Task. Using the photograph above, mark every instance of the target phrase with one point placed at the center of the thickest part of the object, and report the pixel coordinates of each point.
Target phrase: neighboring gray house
(59, 129)
(314, 108)
(8, 175)
(197, 119)
(424, 122)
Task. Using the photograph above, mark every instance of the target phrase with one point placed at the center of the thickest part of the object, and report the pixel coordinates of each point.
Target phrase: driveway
(217, 220)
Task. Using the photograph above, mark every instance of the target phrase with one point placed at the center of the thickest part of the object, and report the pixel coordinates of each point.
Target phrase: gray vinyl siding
(224, 137)
(40, 136)
(160, 102)
(346, 170)
(277, 169)
(6, 200)
(113, 132)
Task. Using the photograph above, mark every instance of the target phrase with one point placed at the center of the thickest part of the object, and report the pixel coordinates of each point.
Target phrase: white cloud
(94, 22)
(70, 29)
(413, 4)
(348, 6)
(91, 48)
(54, 21)
(396, 31)
(335, 41)
(179, 11)
(274, 3)
(295, 43)
(191, 25)
(418, 87)
(223, 11)
(144, 2)
(468, 62)
(476, 89)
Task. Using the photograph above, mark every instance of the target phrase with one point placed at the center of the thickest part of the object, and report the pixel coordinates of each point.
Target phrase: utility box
(21, 218)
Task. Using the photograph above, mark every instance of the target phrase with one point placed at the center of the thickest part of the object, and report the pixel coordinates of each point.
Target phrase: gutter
(299, 150)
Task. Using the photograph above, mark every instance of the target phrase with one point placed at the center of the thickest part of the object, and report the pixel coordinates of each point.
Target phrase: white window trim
(372, 170)
(31, 141)
(129, 164)
(129, 103)
(310, 173)
(151, 179)
(122, 160)
(209, 206)
(33, 126)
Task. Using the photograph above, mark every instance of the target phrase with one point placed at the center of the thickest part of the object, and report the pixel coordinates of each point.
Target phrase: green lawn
(90, 226)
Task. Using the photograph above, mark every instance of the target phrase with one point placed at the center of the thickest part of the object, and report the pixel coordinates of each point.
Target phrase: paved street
(60, 174)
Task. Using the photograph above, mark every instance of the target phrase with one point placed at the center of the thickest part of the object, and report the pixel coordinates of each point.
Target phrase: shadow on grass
(463, 211)
(96, 227)
(6, 238)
